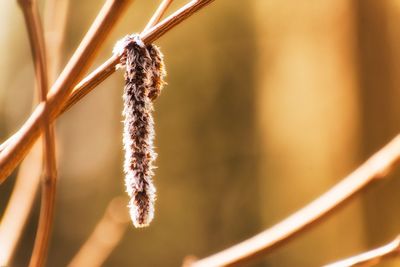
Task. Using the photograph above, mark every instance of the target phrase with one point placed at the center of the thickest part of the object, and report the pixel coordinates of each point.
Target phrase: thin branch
(55, 21)
(107, 234)
(19, 144)
(90, 82)
(6, 143)
(158, 14)
(173, 20)
(27, 181)
(49, 173)
(376, 167)
(371, 257)
(56, 12)
(36, 40)
(20, 203)
(45, 225)
(36, 37)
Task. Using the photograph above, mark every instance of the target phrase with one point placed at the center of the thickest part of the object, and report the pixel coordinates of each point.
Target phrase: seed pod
(158, 71)
(143, 82)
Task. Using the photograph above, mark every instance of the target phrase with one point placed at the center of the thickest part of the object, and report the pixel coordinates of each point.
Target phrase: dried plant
(27, 181)
(378, 166)
(144, 73)
(372, 257)
(49, 172)
(96, 249)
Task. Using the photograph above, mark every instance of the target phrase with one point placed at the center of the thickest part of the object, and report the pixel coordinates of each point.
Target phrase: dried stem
(43, 233)
(18, 145)
(56, 12)
(20, 204)
(376, 167)
(158, 14)
(36, 37)
(6, 143)
(49, 173)
(27, 181)
(371, 257)
(107, 234)
(167, 24)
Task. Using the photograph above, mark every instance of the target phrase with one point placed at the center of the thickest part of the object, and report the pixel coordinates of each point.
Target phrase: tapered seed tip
(141, 216)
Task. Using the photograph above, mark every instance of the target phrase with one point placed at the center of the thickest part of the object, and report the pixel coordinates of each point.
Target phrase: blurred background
(269, 103)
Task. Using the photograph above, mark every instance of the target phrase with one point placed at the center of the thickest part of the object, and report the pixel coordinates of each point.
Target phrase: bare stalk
(20, 203)
(56, 12)
(43, 234)
(158, 14)
(49, 173)
(105, 237)
(371, 257)
(27, 181)
(379, 165)
(36, 37)
(5, 143)
(20, 143)
(167, 24)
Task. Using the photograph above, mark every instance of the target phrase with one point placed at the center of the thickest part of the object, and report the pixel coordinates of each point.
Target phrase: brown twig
(107, 234)
(36, 37)
(21, 141)
(167, 24)
(6, 143)
(371, 257)
(43, 233)
(49, 173)
(56, 12)
(27, 181)
(375, 167)
(20, 203)
(158, 14)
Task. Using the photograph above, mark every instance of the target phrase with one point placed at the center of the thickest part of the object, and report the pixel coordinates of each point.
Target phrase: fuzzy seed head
(143, 82)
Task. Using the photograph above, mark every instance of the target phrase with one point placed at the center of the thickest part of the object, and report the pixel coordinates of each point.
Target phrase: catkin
(143, 83)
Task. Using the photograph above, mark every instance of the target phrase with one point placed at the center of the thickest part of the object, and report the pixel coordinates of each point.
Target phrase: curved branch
(21, 200)
(371, 257)
(112, 225)
(158, 14)
(55, 21)
(19, 204)
(49, 172)
(375, 167)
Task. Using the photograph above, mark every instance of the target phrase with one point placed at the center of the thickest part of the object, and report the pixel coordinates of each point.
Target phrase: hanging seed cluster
(144, 79)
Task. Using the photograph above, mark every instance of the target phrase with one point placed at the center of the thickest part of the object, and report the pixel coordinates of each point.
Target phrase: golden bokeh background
(269, 103)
